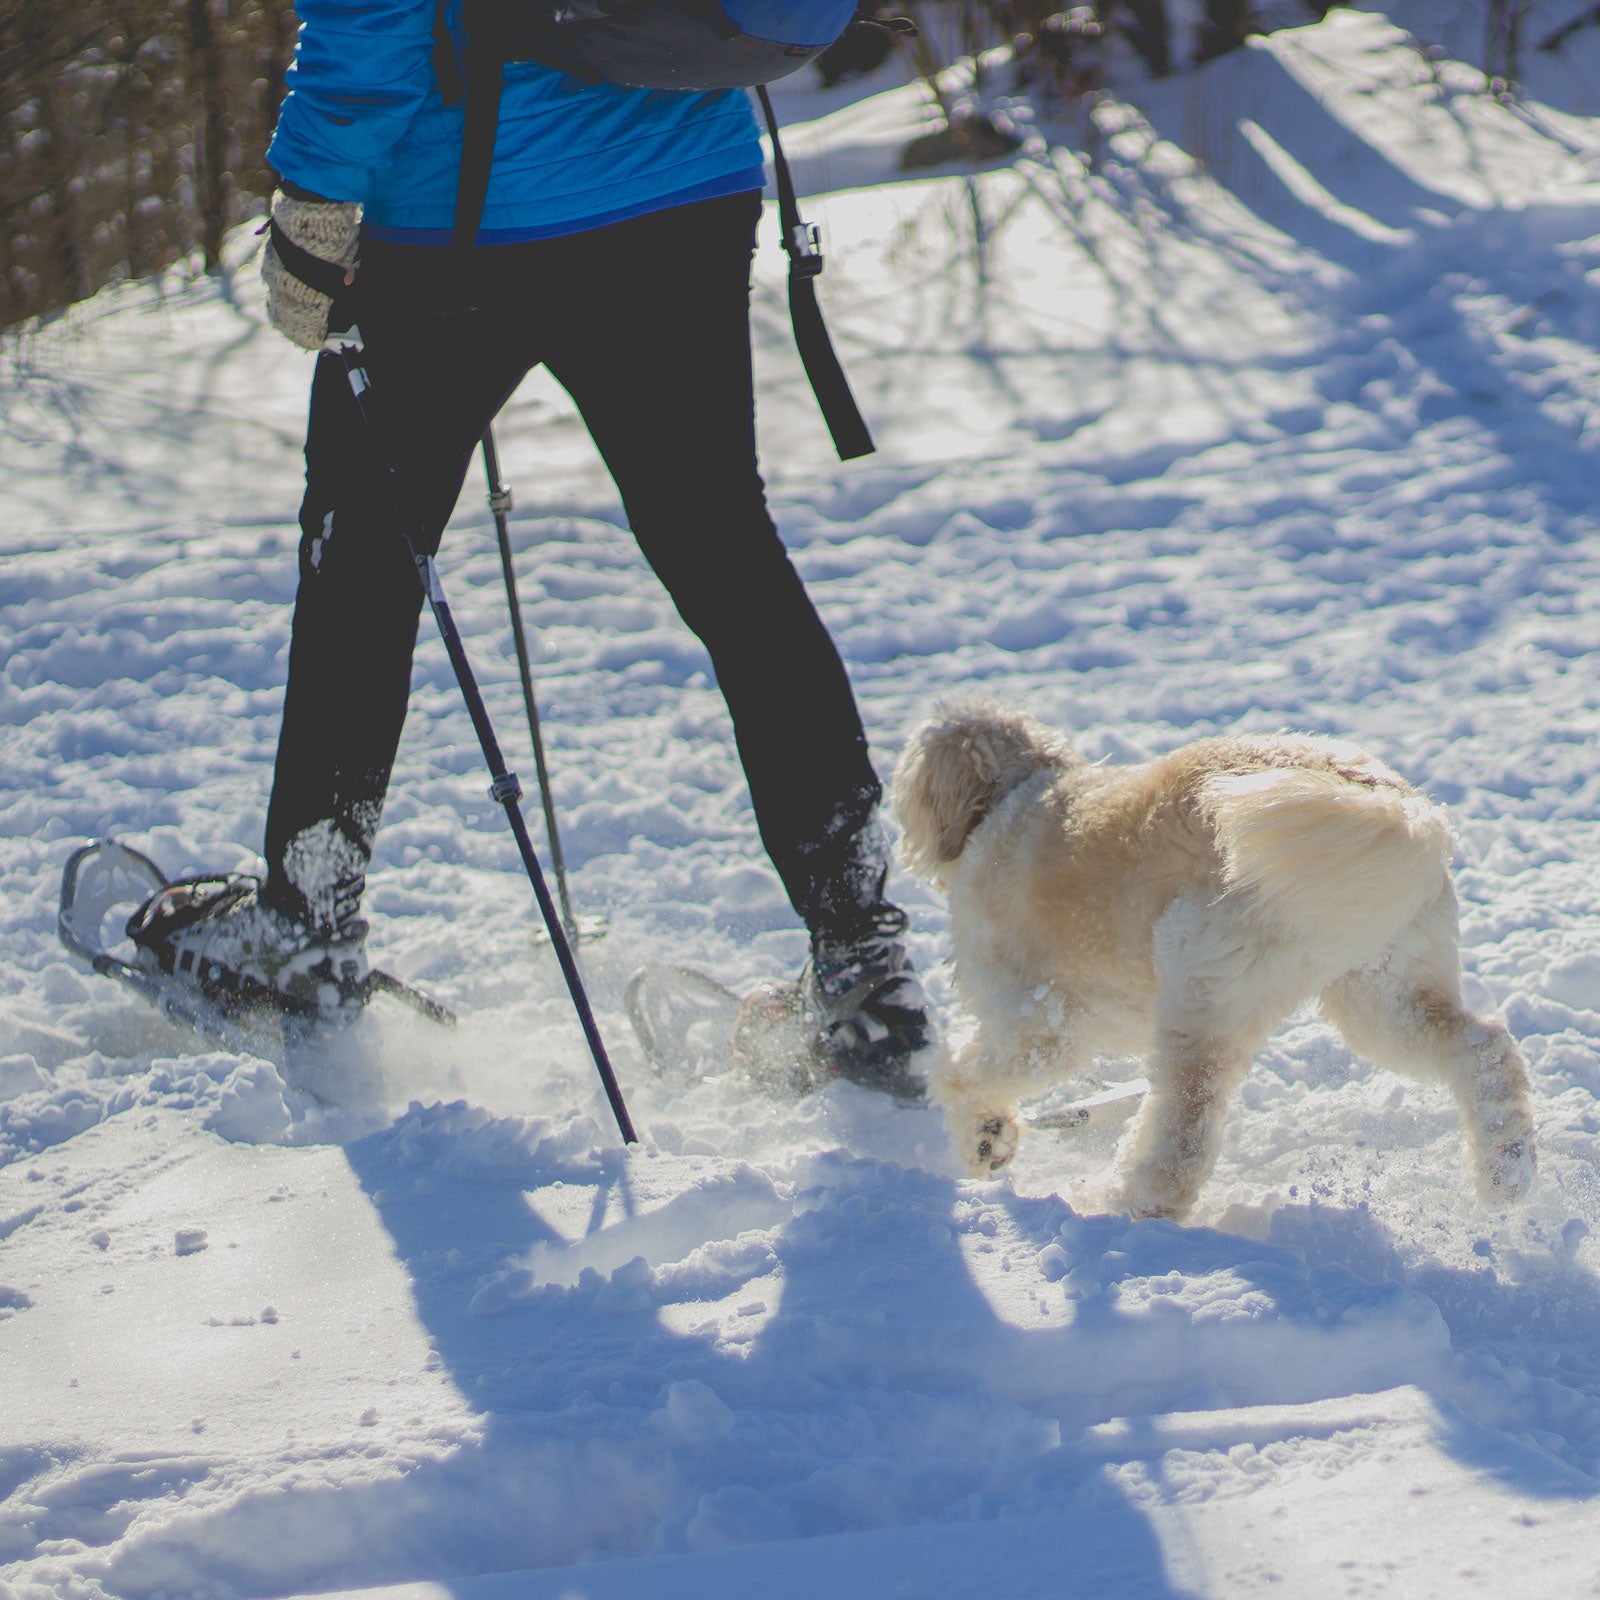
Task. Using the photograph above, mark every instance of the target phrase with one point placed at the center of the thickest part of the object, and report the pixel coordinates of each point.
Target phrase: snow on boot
(216, 936)
(873, 1022)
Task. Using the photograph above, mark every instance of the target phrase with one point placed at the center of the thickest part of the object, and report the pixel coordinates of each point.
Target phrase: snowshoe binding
(218, 936)
(206, 952)
(788, 1038)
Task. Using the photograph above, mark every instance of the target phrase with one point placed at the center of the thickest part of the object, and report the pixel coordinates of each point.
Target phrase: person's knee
(744, 588)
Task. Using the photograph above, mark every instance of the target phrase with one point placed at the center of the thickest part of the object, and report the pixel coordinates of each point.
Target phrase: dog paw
(1506, 1171)
(1148, 1190)
(997, 1143)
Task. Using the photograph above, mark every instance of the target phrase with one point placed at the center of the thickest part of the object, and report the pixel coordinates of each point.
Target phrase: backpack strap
(479, 79)
(446, 68)
(484, 83)
(802, 241)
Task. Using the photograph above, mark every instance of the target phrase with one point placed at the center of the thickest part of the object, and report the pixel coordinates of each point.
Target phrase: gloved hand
(328, 231)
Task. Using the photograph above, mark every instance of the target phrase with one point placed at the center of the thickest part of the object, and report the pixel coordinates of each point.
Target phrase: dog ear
(938, 797)
(956, 766)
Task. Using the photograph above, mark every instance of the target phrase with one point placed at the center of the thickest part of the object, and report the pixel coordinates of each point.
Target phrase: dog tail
(1344, 862)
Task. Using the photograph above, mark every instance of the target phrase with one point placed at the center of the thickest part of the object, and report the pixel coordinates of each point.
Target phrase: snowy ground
(1283, 413)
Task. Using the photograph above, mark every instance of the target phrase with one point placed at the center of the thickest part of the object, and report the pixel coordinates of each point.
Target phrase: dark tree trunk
(211, 173)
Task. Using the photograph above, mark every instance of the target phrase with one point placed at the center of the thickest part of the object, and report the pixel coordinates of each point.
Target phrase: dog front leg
(979, 1116)
(1173, 1145)
(982, 1090)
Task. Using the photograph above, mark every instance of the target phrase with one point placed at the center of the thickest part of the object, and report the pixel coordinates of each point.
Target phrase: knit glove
(328, 230)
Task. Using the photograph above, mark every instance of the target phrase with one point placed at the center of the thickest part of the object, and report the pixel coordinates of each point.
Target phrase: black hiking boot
(873, 1022)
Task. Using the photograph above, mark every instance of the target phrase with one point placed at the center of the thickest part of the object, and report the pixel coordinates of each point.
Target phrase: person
(614, 248)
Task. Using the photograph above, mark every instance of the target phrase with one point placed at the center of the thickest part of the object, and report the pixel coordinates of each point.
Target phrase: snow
(1281, 414)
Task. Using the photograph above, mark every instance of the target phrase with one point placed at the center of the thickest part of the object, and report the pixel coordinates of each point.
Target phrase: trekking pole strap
(802, 242)
(326, 277)
(848, 427)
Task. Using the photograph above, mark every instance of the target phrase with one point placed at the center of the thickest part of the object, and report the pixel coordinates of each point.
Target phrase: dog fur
(1179, 910)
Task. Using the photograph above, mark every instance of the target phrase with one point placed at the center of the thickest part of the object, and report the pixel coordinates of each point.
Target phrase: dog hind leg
(1405, 1012)
(1225, 984)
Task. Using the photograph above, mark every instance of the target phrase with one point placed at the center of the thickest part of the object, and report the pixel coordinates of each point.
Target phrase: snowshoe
(107, 880)
(784, 1037)
(691, 1027)
(204, 952)
(1098, 1110)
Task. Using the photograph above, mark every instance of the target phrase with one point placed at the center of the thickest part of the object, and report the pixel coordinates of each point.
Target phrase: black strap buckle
(804, 245)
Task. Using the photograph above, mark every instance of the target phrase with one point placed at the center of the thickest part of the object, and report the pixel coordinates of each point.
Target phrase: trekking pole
(344, 342)
(500, 505)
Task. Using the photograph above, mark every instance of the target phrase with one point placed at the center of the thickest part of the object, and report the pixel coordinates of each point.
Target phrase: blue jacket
(364, 121)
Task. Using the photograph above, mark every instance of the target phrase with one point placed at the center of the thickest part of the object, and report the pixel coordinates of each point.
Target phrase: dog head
(957, 767)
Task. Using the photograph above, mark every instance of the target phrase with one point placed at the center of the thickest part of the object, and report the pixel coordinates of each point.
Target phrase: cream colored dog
(1180, 910)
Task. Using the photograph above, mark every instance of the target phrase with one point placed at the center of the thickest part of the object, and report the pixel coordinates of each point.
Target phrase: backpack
(688, 45)
(685, 46)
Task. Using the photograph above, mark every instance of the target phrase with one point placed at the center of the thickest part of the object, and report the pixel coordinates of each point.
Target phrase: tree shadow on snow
(1536, 1307)
(814, 1380)
(1407, 253)
(803, 1391)
(870, 1380)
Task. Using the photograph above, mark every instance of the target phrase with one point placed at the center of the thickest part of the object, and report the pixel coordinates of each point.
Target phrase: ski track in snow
(1280, 414)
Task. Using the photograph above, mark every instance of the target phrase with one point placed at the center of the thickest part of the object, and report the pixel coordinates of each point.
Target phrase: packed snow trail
(1279, 412)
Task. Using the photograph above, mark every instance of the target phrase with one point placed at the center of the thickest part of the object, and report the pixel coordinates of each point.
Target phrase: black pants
(646, 325)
